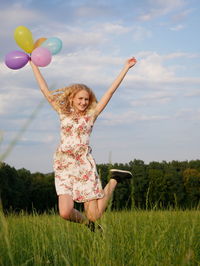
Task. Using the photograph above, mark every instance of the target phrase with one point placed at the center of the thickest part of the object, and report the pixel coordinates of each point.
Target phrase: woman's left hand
(131, 62)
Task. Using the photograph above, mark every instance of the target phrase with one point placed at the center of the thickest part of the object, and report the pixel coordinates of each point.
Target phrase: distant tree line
(155, 185)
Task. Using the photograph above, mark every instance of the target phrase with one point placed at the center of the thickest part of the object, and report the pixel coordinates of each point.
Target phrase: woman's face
(81, 101)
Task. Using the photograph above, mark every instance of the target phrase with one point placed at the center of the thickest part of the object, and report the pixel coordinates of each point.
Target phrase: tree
(42, 192)
(191, 179)
(173, 188)
(140, 183)
(9, 188)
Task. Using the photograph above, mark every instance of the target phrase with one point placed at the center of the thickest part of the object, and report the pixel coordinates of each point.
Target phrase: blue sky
(154, 115)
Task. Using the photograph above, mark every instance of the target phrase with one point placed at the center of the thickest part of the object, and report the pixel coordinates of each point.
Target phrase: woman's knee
(65, 213)
(66, 206)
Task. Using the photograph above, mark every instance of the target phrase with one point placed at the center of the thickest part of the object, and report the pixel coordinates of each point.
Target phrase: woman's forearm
(39, 78)
(43, 85)
(108, 95)
(118, 80)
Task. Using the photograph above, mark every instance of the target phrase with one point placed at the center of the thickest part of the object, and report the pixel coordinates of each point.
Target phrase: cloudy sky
(154, 115)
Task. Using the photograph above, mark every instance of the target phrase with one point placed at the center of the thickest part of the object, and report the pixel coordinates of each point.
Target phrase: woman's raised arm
(43, 85)
(109, 93)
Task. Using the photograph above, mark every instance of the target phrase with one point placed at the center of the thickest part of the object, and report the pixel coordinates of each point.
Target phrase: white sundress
(75, 169)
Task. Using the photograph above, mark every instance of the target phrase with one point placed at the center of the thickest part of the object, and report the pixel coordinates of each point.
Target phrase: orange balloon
(39, 42)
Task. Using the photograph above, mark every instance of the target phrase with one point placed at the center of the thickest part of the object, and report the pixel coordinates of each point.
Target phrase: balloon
(39, 42)
(53, 44)
(24, 39)
(41, 56)
(16, 59)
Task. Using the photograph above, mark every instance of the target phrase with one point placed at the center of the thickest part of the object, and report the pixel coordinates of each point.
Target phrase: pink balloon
(41, 56)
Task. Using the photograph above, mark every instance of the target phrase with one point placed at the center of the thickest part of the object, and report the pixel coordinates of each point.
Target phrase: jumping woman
(76, 177)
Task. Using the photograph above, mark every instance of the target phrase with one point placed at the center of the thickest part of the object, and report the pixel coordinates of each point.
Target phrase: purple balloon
(41, 56)
(16, 59)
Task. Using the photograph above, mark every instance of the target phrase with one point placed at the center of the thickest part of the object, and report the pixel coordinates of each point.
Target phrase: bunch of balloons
(40, 52)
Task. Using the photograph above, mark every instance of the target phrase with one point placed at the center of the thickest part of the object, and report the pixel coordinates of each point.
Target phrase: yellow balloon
(24, 39)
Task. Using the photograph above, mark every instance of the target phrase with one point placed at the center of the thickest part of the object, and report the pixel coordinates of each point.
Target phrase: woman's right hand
(131, 62)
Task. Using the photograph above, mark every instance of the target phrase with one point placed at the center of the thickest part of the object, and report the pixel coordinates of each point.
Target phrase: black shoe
(95, 227)
(120, 175)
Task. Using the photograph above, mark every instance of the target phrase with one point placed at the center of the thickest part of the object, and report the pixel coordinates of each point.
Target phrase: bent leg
(108, 191)
(67, 211)
(95, 208)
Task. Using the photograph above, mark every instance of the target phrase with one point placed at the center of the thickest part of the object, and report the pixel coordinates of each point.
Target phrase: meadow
(130, 238)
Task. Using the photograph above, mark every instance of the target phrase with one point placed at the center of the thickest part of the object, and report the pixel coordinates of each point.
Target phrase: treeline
(155, 185)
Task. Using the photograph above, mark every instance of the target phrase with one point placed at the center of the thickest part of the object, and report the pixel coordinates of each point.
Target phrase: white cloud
(181, 16)
(140, 33)
(181, 55)
(77, 37)
(192, 114)
(184, 112)
(17, 15)
(161, 7)
(128, 117)
(156, 69)
(15, 98)
(114, 28)
(91, 11)
(90, 67)
(38, 137)
(95, 36)
(158, 97)
(177, 27)
(151, 68)
(192, 93)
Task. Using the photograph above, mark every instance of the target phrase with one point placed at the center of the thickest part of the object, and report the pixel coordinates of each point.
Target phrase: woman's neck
(78, 113)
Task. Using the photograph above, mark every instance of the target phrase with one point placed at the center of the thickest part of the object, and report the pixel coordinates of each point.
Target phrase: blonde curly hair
(63, 98)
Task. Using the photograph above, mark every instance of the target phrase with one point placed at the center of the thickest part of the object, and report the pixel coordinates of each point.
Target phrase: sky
(155, 113)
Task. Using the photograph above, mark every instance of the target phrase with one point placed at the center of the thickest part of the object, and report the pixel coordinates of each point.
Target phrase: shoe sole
(121, 174)
(121, 171)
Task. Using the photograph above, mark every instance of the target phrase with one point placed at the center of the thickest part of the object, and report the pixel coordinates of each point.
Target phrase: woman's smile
(81, 100)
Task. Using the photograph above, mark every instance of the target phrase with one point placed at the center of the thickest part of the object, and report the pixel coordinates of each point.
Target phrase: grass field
(129, 238)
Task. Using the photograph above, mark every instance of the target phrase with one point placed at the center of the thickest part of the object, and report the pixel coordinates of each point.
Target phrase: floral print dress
(74, 166)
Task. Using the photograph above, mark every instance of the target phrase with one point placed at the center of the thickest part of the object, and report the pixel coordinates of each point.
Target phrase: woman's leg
(67, 211)
(95, 208)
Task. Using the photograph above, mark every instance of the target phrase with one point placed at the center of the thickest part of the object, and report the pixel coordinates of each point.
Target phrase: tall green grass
(129, 238)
